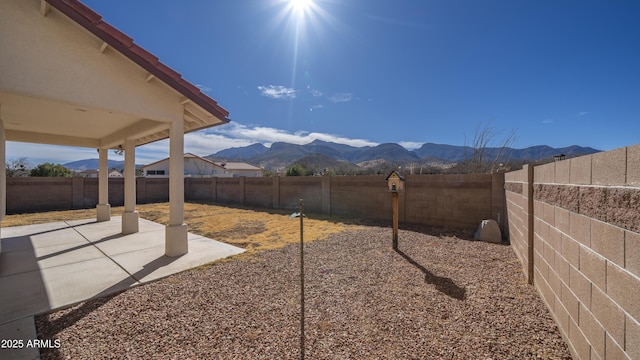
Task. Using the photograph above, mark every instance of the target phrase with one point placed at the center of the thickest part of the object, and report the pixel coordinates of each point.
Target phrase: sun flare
(300, 5)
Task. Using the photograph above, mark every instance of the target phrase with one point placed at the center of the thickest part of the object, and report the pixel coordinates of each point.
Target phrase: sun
(300, 7)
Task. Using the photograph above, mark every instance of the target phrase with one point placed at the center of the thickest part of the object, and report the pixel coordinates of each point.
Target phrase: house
(194, 166)
(70, 78)
(96, 173)
(242, 169)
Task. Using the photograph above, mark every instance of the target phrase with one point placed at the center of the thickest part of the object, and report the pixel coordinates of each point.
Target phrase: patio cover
(69, 78)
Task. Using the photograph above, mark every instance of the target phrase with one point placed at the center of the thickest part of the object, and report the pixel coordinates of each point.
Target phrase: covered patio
(69, 78)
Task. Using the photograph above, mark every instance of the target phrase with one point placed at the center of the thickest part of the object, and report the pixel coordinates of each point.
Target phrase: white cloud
(547, 121)
(41, 153)
(315, 92)
(410, 145)
(268, 135)
(583, 113)
(340, 97)
(314, 107)
(203, 88)
(277, 92)
(201, 143)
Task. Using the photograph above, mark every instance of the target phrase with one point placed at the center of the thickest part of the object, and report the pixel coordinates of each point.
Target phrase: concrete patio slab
(68, 284)
(158, 266)
(20, 330)
(46, 257)
(12, 241)
(50, 266)
(22, 295)
(33, 229)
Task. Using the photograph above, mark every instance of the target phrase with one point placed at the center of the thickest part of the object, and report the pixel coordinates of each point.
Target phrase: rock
(488, 231)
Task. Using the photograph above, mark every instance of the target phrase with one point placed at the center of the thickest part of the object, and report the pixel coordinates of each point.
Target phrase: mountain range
(323, 154)
(281, 155)
(93, 164)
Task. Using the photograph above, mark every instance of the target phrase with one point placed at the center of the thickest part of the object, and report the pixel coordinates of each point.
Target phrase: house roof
(237, 166)
(394, 173)
(186, 156)
(70, 78)
(113, 37)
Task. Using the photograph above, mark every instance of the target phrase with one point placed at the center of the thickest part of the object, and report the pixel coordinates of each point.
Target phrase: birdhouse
(395, 182)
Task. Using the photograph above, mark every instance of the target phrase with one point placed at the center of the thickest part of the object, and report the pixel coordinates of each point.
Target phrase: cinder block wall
(441, 200)
(46, 193)
(42, 194)
(364, 197)
(452, 200)
(294, 188)
(586, 247)
(518, 185)
(257, 192)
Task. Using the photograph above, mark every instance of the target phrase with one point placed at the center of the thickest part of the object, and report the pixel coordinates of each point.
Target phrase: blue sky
(365, 72)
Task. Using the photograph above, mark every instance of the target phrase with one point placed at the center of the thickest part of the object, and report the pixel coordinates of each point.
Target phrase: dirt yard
(439, 297)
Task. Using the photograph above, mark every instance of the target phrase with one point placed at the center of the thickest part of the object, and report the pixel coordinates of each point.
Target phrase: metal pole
(395, 220)
(301, 281)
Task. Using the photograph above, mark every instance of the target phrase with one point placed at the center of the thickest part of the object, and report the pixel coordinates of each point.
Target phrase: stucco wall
(585, 247)
(51, 59)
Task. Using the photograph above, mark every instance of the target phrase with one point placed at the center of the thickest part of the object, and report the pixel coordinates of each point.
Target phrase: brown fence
(443, 200)
(575, 226)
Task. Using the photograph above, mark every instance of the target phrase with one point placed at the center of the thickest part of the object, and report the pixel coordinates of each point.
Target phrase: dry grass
(252, 229)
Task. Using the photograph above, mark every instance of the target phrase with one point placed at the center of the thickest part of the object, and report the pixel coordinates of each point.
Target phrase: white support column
(130, 215)
(176, 243)
(3, 176)
(103, 208)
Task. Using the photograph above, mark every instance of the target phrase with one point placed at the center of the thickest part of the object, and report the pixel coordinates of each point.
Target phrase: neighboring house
(87, 174)
(242, 169)
(194, 166)
(94, 173)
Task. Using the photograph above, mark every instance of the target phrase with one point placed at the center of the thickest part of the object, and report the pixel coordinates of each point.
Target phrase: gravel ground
(438, 297)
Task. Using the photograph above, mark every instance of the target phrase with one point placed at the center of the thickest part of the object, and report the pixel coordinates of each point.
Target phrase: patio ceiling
(48, 121)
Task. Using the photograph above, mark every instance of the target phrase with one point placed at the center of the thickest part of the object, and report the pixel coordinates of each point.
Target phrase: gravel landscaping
(440, 296)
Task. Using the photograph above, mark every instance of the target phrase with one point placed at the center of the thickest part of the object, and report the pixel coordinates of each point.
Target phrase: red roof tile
(194, 89)
(92, 21)
(83, 10)
(169, 71)
(149, 57)
(115, 33)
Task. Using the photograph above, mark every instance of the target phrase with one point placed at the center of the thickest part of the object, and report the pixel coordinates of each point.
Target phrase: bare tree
(18, 167)
(487, 152)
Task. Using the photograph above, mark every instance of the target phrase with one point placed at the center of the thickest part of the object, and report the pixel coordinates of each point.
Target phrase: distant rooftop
(237, 166)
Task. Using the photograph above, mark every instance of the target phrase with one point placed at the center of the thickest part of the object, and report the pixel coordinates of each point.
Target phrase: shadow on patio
(51, 266)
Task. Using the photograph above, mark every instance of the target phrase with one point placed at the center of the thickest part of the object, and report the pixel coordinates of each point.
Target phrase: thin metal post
(394, 203)
(301, 280)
